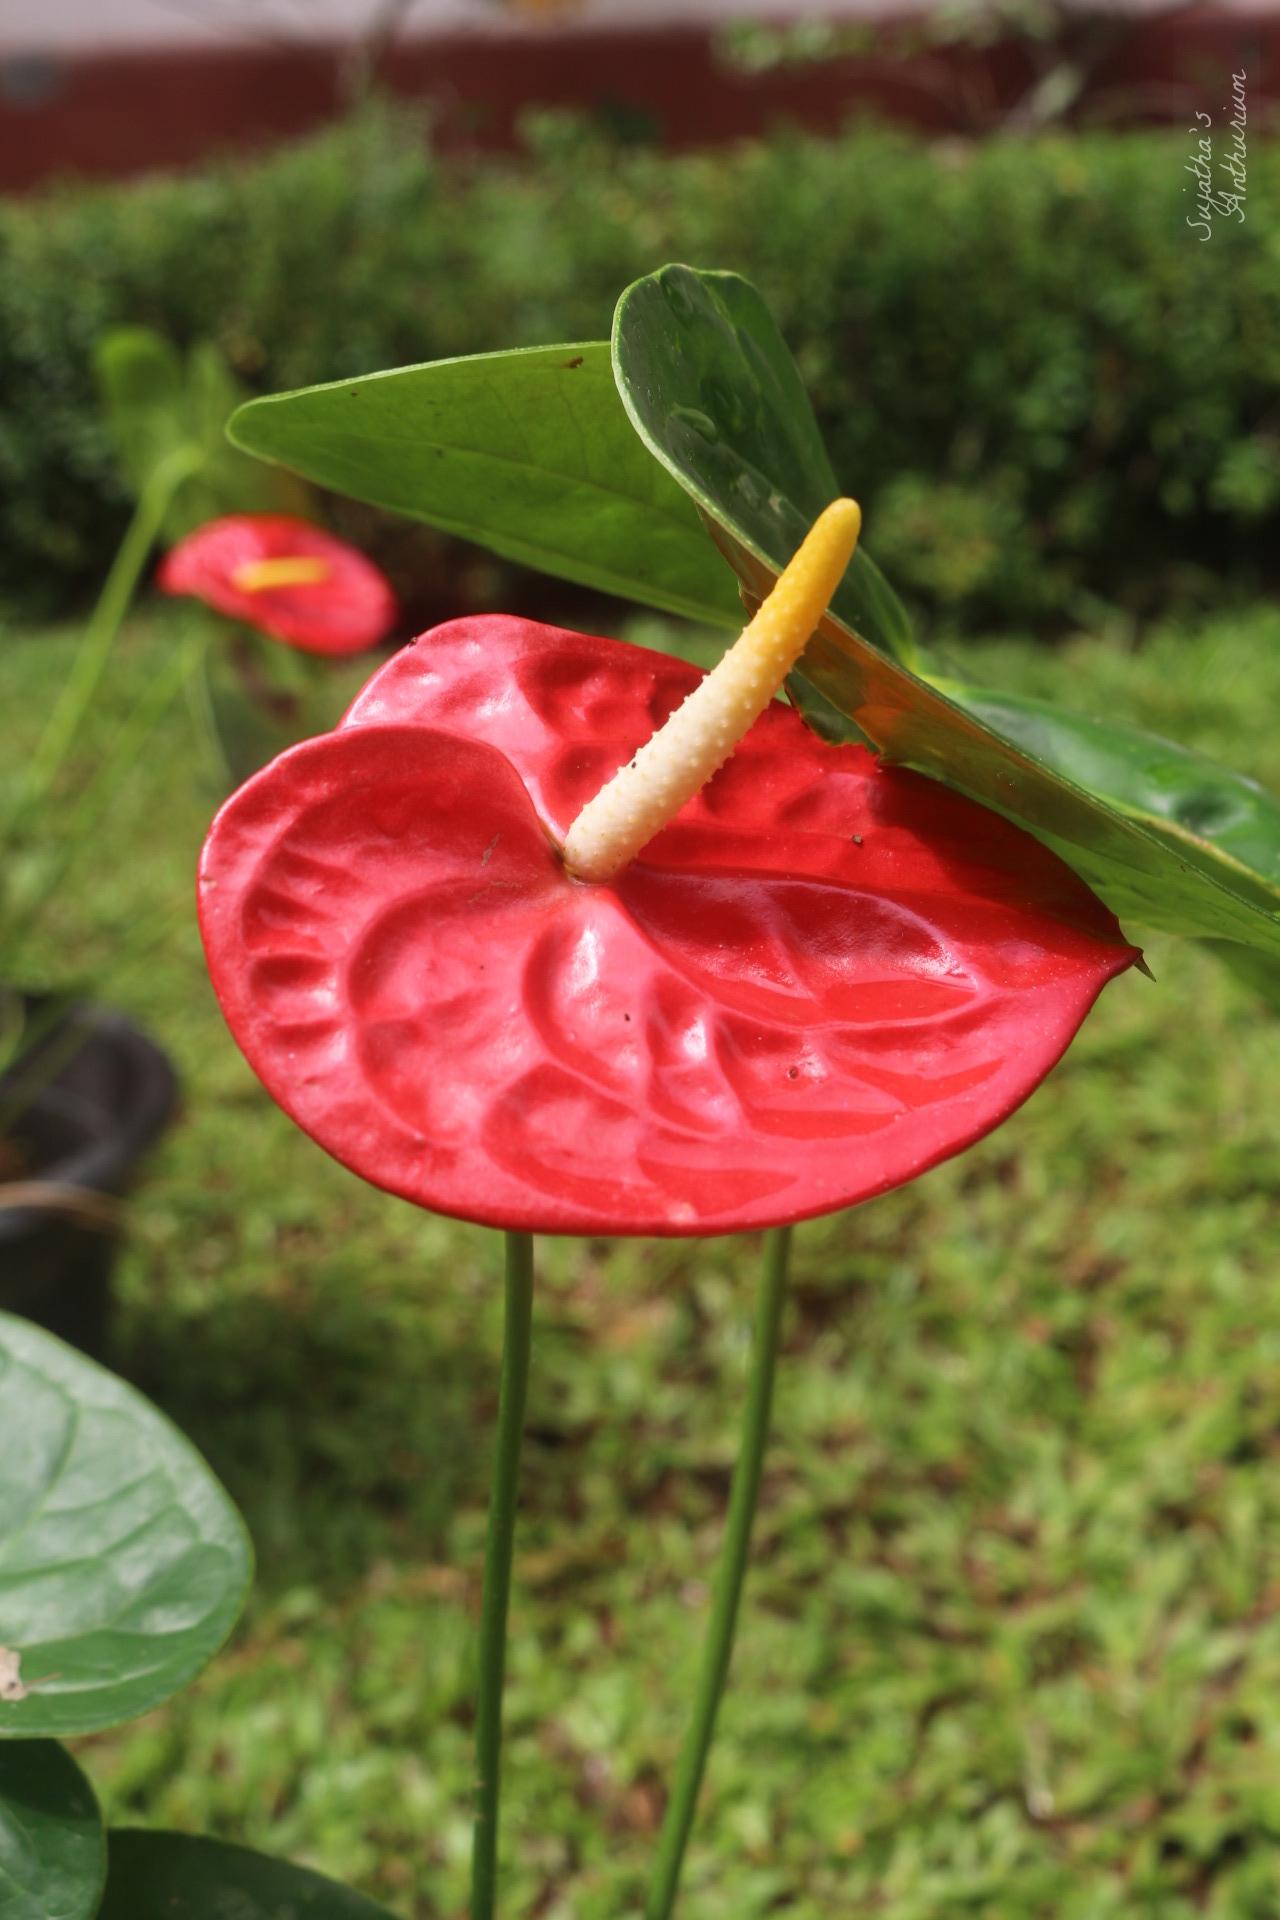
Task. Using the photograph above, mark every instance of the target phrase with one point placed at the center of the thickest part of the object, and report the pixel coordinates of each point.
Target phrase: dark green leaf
(53, 1852)
(123, 1564)
(168, 1876)
(713, 391)
(685, 341)
(1200, 809)
(529, 453)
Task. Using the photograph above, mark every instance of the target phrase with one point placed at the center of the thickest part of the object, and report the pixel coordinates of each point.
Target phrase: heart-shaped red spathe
(351, 608)
(823, 977)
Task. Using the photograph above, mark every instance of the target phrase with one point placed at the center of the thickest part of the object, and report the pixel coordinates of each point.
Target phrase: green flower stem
(497, 1571)
(205, 715)
(718, 1646)
(106, 619)
(133, 734)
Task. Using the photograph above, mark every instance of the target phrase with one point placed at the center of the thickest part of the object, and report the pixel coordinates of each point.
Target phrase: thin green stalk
(497, 1570)
(105, 621)
(146, 714)
(204, 713)
(727, 1593)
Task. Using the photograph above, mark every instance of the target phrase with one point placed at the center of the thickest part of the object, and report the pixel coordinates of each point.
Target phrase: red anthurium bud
(821, 978)
(287, 578)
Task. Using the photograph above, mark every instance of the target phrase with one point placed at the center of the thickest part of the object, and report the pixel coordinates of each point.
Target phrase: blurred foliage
(763, 46)
(1011, 1647)
(156, 405)
(1027, 366)
(1060, 47)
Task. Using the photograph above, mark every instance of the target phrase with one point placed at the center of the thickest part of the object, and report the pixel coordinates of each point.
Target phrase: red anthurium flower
(286, 577)
(821, 978)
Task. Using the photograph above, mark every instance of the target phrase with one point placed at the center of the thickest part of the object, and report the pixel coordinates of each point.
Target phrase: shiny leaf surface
(53, 1852)
(821, 978)
(690, 350)
(706, 341)
(1203, 811)
(171, 1876)
(529, 453)
(122, 1563)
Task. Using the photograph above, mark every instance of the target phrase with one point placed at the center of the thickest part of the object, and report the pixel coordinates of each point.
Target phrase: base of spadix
(696, 741)
(821, 979)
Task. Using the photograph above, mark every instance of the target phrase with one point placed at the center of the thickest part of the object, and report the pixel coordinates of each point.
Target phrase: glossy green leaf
(688, 341)
(169, 1876)
(730, 418)
(53, 1851)
(529, 453)
(123, 1564)
(1196, 806)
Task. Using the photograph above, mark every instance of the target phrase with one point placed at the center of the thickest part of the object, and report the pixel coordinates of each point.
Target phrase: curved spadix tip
(802, 590)
(701, 734)
(840, 523)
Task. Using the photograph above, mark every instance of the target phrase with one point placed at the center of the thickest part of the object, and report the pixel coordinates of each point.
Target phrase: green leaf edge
(1159, 826)
(100, 1882)
(364, 1907)
(240, 431)
(707, 508)
(28, 1329)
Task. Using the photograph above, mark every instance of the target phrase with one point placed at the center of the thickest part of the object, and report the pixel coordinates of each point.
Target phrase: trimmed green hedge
(1038, 379)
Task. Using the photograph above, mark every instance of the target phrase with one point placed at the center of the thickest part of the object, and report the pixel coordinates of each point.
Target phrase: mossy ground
(1012, 1638)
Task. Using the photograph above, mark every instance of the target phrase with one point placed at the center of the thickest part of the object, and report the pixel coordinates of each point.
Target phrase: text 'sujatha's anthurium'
(286, 577)
(821, 978)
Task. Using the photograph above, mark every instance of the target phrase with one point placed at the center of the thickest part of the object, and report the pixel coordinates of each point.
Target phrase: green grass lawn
(1011, 1645)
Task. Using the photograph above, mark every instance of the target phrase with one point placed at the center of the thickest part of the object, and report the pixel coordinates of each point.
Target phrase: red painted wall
(123, 113)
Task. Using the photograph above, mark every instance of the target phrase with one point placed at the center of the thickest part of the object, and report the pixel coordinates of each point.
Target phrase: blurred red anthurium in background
(820, 979)
(286, 577)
